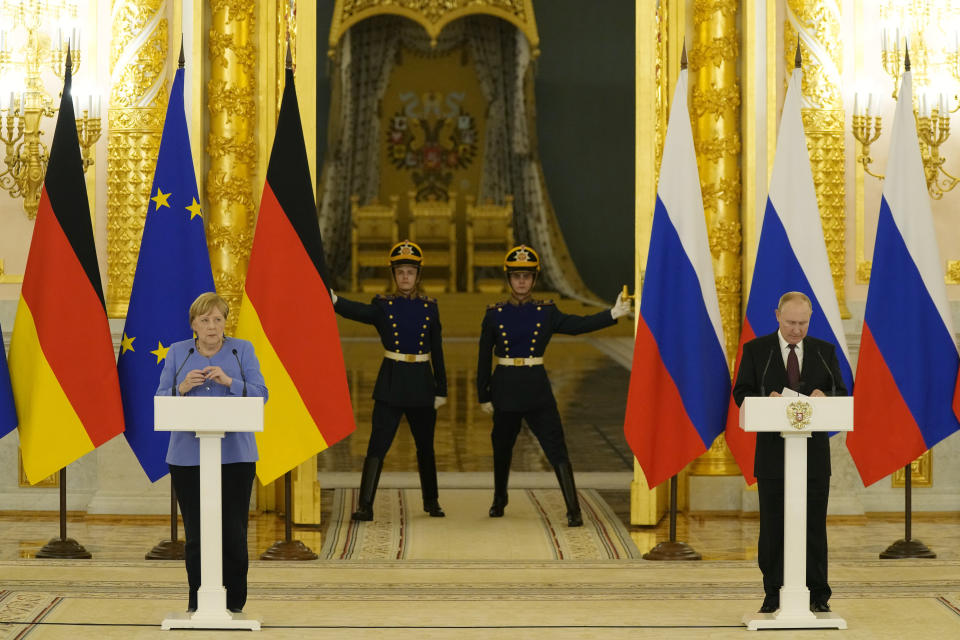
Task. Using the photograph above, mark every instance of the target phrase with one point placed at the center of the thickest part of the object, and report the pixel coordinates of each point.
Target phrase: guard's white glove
(487, 407)
(333, 297)
(439, 401)
(620, 308)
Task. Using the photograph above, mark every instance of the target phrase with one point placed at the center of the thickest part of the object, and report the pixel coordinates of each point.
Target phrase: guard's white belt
(519, 362)
(407, 357)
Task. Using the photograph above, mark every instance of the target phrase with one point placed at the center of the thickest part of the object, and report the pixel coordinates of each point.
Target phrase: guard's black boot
(501, 474)
(569, 489)
(427, 465)
(496, 509)
(369, 479)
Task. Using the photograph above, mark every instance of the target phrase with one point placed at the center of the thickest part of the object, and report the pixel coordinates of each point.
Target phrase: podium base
(756, 621)
(672, 551)
(64, 548)
(210, 620)
(288, 550)
(907, 549)
(166, 550)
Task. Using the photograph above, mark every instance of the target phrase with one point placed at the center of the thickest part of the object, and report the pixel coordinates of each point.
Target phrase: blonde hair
(793, 295)
(205, 302)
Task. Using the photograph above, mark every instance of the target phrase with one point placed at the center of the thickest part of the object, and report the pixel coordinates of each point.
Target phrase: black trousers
(386, 420)
(236, 484)
(543, 421)
(770, 544)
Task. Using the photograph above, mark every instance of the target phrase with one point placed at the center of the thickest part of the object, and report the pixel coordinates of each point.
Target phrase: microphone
(242, 377)
(763, 377)
(833, 381)
(173, 390)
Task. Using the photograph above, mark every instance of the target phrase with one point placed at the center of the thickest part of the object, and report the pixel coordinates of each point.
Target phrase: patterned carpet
(481, 599)
(534, 528)
(407, 576)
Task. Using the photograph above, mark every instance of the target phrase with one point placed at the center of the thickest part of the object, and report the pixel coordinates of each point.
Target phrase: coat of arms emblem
(799, 413)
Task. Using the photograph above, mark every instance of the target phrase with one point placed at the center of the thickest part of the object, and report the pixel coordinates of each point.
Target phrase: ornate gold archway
(434, 15)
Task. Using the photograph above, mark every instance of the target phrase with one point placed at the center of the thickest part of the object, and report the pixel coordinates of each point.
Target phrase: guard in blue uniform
(515, 334)
(412, 380)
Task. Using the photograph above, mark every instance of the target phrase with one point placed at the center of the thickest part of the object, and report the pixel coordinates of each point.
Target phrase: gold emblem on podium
(798, 413)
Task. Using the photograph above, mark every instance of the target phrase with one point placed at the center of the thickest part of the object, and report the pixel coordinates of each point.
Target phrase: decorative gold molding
(953, 272)
(652, 84)
(138, 100)
(231, 145)
(715, 110)
(434, 15)
(818, 22)
(51, 481)
(921, 473)
(9, 278)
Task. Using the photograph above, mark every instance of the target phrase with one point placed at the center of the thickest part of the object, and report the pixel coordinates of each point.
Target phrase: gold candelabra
(933, 127)
(26, 50)
(866, 130)
(891, 59)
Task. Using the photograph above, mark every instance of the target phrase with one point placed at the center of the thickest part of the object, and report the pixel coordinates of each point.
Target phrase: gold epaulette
(544, 302)
(384, 296)
(429, 299)
(496, 305)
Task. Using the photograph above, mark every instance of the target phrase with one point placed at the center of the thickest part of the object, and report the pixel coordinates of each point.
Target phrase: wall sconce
(866, 130)
(933, 124)
(21, 62)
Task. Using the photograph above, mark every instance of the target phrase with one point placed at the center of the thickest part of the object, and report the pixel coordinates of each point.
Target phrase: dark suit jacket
(511, 331)
(763, 354)
(405, 325)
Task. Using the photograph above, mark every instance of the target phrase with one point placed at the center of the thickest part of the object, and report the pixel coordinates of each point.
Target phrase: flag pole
(173, 548)
(63, 547)
(288, 549)
(906, 547)
(672, 549)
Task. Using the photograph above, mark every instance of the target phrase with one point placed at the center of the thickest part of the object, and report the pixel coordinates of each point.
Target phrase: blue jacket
(405, 325)
(512, 330)
(184, 449)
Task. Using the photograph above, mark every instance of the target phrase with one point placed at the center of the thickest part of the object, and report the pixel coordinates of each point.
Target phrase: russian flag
(791, 256)
(680, 379)
(907, 369)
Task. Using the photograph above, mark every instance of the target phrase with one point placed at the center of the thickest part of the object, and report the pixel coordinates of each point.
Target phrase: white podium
(210, 418)
(795, 418)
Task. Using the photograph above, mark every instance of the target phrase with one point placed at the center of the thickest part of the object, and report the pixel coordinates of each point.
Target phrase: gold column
(818, 22)
(138, 101)
(231, 145)
(655, 42)
(715, 109)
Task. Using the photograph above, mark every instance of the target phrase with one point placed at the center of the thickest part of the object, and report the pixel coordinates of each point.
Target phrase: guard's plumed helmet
(521, 258)
(406, 252)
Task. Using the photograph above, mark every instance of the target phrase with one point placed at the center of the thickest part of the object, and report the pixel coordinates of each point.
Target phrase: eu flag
(8, 412)
(172, 270)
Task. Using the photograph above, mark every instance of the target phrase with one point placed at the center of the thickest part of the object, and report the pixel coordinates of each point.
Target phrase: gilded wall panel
(138, 100)
(818, 24)
(231, 145)
(715, 99)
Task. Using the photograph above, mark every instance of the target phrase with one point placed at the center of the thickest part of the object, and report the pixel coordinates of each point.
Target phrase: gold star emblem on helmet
(522, 255)
(406, 250)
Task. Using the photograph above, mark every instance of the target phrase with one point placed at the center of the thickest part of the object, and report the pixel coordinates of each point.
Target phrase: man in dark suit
(789, 359)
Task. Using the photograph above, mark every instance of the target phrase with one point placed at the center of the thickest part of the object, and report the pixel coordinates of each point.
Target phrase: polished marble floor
(589, 386)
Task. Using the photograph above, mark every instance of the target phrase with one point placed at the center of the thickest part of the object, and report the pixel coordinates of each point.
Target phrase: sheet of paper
(790, 393)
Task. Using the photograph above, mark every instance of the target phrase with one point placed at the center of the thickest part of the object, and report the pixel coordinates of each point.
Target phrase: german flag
(287, 313)
(62, 362)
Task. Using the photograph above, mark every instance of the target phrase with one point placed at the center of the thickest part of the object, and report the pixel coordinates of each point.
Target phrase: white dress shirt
(785, 350)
